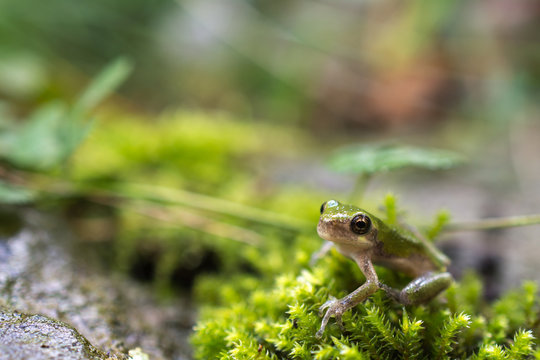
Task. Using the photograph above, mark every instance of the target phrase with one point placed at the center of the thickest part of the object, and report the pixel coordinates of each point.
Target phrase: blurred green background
(211, 157)
(329, 65)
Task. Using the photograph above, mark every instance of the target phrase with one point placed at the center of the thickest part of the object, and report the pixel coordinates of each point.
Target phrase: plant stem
(362, 181)
(161, 195)
(189, 219)
(494, 223)
(164, 195)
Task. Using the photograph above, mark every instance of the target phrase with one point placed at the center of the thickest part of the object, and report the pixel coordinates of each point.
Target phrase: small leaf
(103, 85)
(371, 159)
(53, 131)
(34, 144)
(74, 130)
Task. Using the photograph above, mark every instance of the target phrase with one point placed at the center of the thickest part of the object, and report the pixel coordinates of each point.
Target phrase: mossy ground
(249, 318)
(252, 320)
(262, 299)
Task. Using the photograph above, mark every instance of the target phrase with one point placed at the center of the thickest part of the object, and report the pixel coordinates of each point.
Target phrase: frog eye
(323, 206)
(361, 224)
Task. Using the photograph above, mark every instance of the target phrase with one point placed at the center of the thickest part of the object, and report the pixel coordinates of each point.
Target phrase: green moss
(207, 152)
(207, 198)
(279, 320)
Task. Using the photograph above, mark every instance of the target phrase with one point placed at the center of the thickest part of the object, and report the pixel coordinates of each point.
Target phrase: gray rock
(38, 337)
(45, 270)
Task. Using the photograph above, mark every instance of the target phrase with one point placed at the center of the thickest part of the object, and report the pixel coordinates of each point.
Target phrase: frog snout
(328, 229)
(322, 228)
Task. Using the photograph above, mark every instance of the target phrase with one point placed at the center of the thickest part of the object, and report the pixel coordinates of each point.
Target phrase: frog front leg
(421, 289)
(325, 248)
(337, 307)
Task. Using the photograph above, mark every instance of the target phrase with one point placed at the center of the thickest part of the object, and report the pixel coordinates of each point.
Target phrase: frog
(367, 240)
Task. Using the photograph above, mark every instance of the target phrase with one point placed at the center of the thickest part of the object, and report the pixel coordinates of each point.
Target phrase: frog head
(347, 225)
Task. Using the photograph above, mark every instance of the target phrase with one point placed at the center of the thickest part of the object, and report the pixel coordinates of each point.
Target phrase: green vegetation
(372, 159)
(270, 311)
(258, 295)
(203, 175)
(368, 160)
(249, 319)
(175, 196)
(51, 134)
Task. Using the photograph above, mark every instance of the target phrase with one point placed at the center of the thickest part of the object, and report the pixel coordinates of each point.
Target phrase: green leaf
(34, 144)
(102, 86)
(53, 132)
(75, 130)
(371, 159)
(10, 194)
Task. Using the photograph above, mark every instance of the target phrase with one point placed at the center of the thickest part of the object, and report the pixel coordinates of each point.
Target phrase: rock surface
(44, 270)
(38, 337)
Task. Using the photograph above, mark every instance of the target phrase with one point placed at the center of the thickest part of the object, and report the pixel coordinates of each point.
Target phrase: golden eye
(361, 224)
(323, 206)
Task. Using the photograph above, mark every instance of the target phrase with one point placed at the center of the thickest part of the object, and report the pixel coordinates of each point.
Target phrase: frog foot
(333, 307)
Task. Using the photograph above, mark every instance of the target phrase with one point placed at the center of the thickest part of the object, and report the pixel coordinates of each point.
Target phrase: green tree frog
(367, 240)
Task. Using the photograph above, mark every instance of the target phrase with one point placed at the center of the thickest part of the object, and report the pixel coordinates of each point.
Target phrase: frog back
(402, 243)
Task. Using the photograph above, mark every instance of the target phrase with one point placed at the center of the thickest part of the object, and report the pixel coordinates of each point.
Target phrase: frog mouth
(321, 230)
(332, 230)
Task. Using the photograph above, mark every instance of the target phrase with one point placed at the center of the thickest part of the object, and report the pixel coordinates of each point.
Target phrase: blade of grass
(166, 195)
(189, 219)
(493, 223)
(105, 82)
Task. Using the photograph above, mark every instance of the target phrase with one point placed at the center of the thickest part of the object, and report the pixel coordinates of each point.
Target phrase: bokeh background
(326, 65)
(211, 159)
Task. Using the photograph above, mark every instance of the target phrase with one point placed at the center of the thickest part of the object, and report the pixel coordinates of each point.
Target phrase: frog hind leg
(421, 289)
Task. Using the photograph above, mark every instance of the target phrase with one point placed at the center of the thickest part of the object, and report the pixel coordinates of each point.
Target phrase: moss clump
(280, 321)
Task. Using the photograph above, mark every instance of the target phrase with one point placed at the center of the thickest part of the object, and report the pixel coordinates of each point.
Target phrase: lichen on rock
(39, 337)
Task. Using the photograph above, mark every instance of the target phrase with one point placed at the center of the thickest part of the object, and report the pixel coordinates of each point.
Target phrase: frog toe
(333, 308)
(327, 305)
